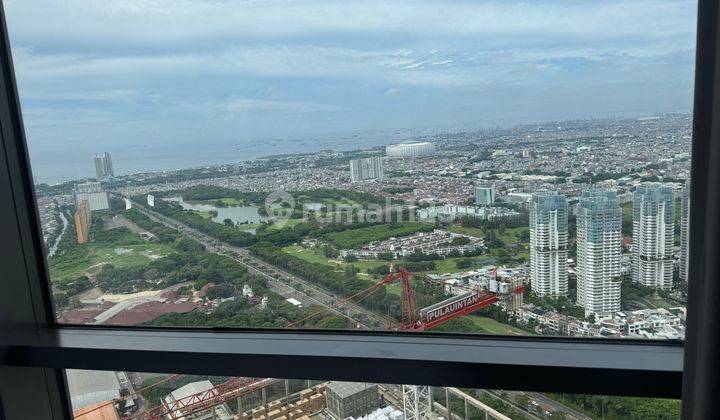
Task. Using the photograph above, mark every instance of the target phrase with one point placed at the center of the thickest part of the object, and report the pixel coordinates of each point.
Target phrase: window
(388, 193)
(251, 173)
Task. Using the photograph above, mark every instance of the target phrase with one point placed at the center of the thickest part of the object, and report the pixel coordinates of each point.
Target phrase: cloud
(240, 105)
(152, 23)
(180, 60)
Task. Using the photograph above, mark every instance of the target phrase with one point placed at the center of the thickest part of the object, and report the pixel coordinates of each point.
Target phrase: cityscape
(568, 228)
(487, 172)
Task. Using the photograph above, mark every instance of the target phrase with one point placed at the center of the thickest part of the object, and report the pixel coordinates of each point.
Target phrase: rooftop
(346, 389)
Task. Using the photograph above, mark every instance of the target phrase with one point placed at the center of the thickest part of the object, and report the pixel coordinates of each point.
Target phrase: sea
(66, 161)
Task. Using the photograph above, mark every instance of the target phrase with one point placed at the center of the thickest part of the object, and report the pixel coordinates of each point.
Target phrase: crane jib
(450, 306)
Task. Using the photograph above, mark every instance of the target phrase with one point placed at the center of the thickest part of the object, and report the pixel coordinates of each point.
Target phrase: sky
(173, 72)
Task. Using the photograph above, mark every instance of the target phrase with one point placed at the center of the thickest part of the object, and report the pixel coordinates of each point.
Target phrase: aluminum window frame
(34, 348)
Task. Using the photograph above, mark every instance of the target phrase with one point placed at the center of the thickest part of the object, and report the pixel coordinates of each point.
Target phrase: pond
(238, 214)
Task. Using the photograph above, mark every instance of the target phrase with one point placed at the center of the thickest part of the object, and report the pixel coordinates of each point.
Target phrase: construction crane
(449, 309)
(415, 398)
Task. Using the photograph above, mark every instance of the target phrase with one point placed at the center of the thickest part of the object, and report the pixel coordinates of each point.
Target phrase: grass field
(316, 255)
(356, 237)
(494, 327)
(442, 266)
(449, 265)
(509, 236)
(289, 223)
(248, 226)
(204, 214)
(89, 258)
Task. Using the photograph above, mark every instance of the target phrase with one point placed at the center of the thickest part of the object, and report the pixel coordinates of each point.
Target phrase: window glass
(492, 167)
(150, 395)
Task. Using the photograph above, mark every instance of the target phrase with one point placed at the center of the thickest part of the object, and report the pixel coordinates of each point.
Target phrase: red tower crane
(444, 311)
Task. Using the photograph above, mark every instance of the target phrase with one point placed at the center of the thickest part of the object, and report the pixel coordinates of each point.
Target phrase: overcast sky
(182, 70)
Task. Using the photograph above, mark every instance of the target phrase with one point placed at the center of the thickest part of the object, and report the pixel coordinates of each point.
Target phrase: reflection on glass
(484, 167)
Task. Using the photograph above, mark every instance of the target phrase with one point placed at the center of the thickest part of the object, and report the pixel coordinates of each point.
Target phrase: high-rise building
(94, 193)
(366, 169)
(82, 221)
(103, 166)
(485, 195)
(685, 231)
(548, 243)
(599, 235)
(653, 230)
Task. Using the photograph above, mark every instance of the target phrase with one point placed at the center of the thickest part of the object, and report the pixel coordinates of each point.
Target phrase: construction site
(273, 399)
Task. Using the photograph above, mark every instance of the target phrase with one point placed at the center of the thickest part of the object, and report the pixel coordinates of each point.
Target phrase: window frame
(34, 348)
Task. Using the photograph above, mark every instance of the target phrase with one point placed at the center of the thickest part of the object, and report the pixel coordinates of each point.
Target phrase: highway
(279, 280)
(545, 403)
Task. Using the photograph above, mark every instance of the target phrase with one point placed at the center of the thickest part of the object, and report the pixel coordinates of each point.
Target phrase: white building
(548, 244)
(599, 235)
(485, 195)
(366, 169)
(410, 149)
(95, 195)
(450, 212)
(653, 230)
(685, 231)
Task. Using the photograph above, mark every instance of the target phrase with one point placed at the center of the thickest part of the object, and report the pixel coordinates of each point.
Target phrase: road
(545, 403)
(55, 244)
(279, 280)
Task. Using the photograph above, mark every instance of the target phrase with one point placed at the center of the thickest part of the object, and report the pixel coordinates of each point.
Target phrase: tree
(221, 291)
(522, 400)
(463, 264)
(330, 252)
(228, 222)
(385, 256)
(460, 240)
(350, 258)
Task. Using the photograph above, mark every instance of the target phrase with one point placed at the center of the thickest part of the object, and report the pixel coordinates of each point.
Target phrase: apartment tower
(653, 229)
(548, 244)
(599, 235)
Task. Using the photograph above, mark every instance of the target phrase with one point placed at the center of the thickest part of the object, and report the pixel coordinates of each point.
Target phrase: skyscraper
(653, 229)
(548, 243)
(82, 221)
(103, 166)
(685, 231)
(599, 235)
(485, 195)
(366, 169)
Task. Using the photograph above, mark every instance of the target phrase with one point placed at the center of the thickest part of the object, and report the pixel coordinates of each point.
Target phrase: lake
(238, 214)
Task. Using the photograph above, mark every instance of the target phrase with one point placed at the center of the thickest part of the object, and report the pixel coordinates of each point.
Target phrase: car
(535, 403)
